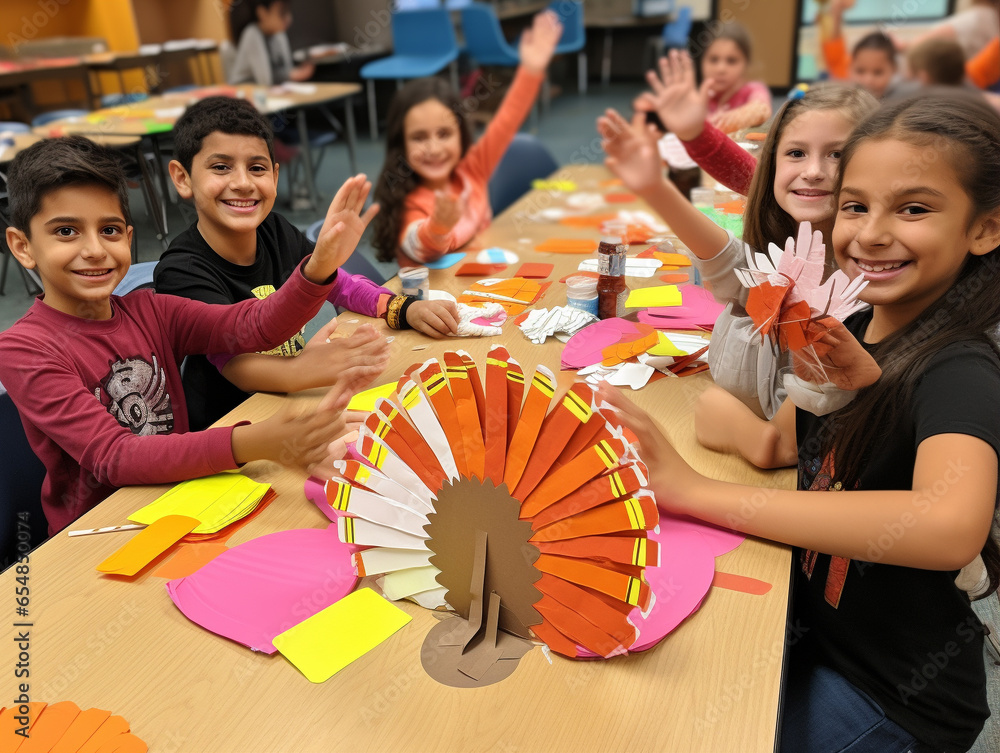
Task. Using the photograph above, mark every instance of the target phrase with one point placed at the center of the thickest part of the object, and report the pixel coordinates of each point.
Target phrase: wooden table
(711, 685)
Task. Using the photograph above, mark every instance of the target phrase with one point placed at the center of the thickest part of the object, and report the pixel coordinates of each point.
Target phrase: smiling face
(906, 226)
(872, 70)
(806, 161)
(433, 142)
(233, 184)
(81, 247)
(724, 62)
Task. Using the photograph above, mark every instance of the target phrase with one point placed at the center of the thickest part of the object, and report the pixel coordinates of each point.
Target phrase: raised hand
(351, 363)
(631, 149)
(539, 42)
(682, 107)
(433, 318)
(448, 208)
(342, 229)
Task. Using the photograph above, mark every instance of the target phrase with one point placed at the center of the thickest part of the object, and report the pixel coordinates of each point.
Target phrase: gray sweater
(266, 61)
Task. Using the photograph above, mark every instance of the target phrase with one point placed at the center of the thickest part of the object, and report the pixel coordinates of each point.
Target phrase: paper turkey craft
(529, 523)
(787, 292)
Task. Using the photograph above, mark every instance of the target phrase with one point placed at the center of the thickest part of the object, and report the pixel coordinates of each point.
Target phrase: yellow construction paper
(148, 544)
(215, 501)
(666, 348)
(365, 401)
(325, 643)
(658, 295)
(672, 259)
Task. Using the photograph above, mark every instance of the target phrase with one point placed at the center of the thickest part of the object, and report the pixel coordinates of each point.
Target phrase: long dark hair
(242, 13)
(397, 179)
(966, 131)
(764, 221)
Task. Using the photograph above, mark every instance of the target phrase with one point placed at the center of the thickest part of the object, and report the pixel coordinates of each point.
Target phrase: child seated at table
(239, 249)
(733, 102)
(96, 377)
(433, 186)
(263, 54)
(872, 62)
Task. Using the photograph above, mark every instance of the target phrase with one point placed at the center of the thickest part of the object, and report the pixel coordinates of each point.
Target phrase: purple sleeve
(356, 293)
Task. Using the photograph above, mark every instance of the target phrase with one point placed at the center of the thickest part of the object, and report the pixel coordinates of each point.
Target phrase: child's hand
(342, 229)
(631, 149)
(682, 107)
(842, 360)
(539, 42)
(351, 363)
(669, 475)
(433, 318)
(303, 71)
(448, 209)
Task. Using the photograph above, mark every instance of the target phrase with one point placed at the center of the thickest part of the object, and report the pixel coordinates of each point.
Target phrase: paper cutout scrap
(675, 278)
(567, 246)
(64, 728)
(666, 258)
(448, 260)
(741, 583)
(534, 270)
(322, 645)
(214, 501)
(148, 544)
(630, 346)
(365, 401)
(515, 294)
(541, 184)
(620, 198)
(254, 591)
(547, 458)
(539, 324)
(588, 221)
(475, 269)
(587, 346)
(496, 255)
(657, 295)
(189, 559)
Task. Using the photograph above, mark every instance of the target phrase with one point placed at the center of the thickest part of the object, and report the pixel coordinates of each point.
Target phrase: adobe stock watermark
(35, 23)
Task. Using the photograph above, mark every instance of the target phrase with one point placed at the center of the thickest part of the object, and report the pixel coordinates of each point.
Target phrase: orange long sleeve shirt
(422, 240)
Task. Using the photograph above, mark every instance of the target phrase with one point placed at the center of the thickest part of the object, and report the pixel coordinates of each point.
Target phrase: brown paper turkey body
(526, 516)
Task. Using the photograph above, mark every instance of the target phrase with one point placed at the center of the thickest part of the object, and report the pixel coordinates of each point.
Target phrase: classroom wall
(772, 28)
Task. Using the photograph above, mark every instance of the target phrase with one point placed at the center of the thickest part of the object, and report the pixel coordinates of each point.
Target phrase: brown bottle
(611, 288)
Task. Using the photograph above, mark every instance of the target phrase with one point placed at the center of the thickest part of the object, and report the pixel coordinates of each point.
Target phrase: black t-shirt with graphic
(906, 637)
(190, 268)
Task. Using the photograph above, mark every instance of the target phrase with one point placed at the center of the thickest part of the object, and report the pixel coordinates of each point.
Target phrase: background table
(711, 685)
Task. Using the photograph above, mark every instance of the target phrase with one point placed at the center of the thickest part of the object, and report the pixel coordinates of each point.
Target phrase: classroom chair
(423, 45)
(526, 159)
(675, 35)
(484, 39)
(573, 39)
(357, 263)
(21, 476)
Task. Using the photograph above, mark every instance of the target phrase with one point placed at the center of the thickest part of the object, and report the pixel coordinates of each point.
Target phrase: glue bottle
(611, 288)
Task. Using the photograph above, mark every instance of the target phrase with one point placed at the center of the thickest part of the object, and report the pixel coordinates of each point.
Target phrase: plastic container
(581, 293)
(415, 281)
(703, 198)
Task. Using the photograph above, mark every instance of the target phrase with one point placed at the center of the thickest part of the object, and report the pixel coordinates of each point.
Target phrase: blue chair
(484, 39)
(14, 126)
(573, 39)
(675, 34)
(22, 521)
(525, 160)
(423, 44)
(138, 276)
(357, 263)
(47, 117)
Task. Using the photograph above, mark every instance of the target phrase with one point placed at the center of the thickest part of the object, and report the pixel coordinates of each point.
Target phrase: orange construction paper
(599, 458)
(468, 414)
(612, 486)
(189, 559)
(612, 182)
(495, 432)
(675, 277)
(113, 727)
(555, 640)
(477, 389)
(9, 739)
(590, 220)
(567, 246)
(586, 435)
(515, 394)
(632, 514)
(529, 424)
(395, 441)
(534, 270)
(736, 206)
(626, 349)
(427, 468)
(626, 588)
(435, 384)
(610, 620)
(637, 551)
(48, 727)
(148, 544)
(569, 414)
(743, 583)
(620, 198)
(673, 259)
(571, 623)
(474, 269)
(81, 730)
